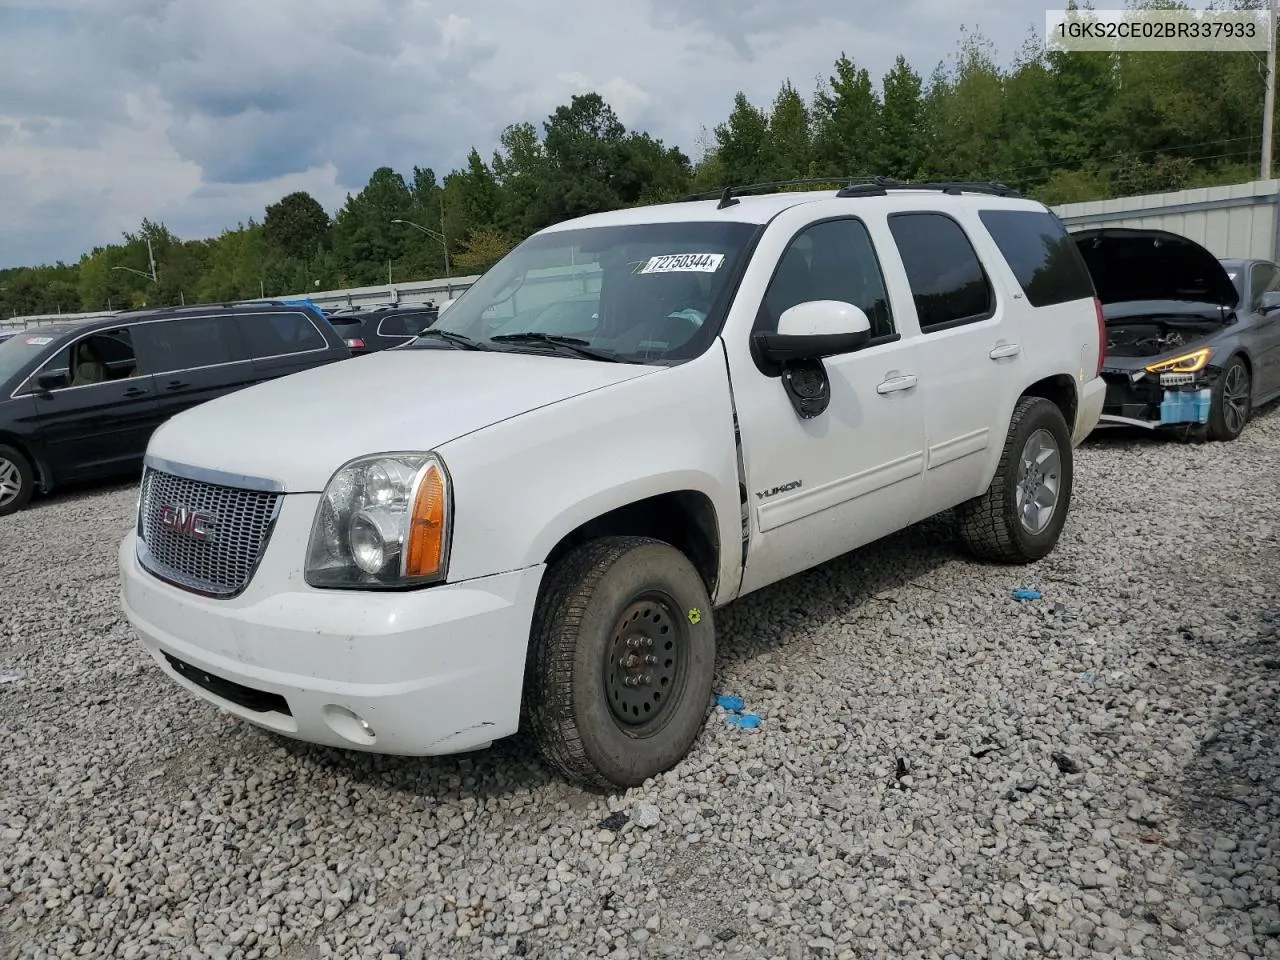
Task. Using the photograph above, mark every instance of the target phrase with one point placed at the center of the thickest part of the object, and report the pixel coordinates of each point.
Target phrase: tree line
(1061, 127)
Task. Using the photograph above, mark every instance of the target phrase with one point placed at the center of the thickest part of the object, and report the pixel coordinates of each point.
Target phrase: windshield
(641, 293)
(18, 351)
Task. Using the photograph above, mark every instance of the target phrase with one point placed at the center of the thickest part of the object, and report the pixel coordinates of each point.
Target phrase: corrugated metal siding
(1239, 220)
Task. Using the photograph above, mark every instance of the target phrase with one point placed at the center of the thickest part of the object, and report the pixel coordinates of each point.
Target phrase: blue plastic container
(1180, 406)
(1204, 401)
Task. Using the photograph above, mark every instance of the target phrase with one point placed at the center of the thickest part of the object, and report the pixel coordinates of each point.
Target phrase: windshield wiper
(457, 339)
(577, 345)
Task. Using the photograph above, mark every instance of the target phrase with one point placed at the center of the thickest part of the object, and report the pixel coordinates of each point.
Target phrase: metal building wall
(1239, 220)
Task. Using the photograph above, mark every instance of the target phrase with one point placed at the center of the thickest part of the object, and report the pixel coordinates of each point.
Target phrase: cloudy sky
(200, 112)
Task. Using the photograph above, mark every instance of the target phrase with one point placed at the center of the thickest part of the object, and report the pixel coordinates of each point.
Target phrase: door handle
(1003, 351)
(895, 384)
(135, 392)
(176, 385)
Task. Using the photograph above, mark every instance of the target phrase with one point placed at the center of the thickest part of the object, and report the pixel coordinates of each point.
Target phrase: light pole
(433, 234)
(150, 259)
(1269, 101)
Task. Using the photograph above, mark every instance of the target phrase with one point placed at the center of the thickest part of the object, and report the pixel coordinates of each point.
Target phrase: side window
(99, 357)
(947, 281)
(1262, 280)
(185, 343)
(279, 334)
(835, 260)
(404, 324)
(1044, 259)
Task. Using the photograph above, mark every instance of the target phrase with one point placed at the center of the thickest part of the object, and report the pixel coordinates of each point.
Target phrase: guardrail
(413, 291)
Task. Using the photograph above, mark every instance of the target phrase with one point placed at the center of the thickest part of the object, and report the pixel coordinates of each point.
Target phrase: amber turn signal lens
(425, 547)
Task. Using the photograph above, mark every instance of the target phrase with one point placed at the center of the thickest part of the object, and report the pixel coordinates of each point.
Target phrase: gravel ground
(941, 771)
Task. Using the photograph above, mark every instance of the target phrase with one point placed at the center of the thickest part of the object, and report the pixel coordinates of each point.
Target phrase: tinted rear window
(191, 342)
(1044, 259)
(947, 281)
(279, 334)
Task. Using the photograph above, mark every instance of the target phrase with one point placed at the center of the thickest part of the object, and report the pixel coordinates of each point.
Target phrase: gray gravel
(941, 772)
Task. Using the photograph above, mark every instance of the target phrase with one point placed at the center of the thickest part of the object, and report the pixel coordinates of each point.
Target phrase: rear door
(97, 414)
(969, 356)
(282, 342)
(195, 359)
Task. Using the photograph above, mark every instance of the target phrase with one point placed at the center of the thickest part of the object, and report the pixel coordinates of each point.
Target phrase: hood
(1132, 264)
(299, 429)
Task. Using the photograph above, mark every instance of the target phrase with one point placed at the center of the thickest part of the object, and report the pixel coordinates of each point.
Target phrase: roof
(59, 328)
(761, 208)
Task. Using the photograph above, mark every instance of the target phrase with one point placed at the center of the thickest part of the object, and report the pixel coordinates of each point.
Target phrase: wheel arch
(684, 518)
(44, 477)
(1060, 390)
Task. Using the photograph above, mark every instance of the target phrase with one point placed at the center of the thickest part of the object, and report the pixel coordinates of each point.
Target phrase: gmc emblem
(186, 522)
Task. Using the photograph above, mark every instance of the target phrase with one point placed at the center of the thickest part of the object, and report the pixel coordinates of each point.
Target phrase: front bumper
(415, 673)
(1136, 398)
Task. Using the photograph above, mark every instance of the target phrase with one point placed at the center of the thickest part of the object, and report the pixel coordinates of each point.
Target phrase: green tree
(788, 144)
(742, 144)
(847, 117)
(900, 134)
(296, 225)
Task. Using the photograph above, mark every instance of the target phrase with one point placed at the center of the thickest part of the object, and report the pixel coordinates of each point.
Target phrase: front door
(96, 411)
(1264, 279)
(819, 487)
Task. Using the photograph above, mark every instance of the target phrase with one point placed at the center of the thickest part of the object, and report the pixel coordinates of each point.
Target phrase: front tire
(1020, 517)
(17, 480)
(621, 662)
(1232, 403)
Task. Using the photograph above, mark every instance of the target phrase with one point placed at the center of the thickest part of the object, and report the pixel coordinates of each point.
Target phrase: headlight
(1187, 363)
(384, 522)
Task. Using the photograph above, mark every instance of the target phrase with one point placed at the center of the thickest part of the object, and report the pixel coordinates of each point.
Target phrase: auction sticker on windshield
(684, 263)
(38, 341)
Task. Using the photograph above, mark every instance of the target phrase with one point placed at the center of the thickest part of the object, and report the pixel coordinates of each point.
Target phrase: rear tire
(1020, 517)
(17, 481)
(1232, 403)
(621, 662)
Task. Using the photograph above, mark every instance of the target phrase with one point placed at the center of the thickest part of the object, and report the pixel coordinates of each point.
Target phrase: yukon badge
(783, 488)
(184, 521)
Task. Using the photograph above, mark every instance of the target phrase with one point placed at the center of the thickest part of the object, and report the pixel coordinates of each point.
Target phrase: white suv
(497, 525)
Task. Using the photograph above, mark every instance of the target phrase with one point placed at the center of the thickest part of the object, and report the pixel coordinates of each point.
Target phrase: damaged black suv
(1193, 342)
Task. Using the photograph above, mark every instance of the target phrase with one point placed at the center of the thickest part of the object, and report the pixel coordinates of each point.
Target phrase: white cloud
(201, 113)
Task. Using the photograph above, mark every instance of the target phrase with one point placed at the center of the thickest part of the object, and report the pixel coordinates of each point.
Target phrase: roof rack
(883, 185)
(224, 304)
(727, 197)
(858, 187)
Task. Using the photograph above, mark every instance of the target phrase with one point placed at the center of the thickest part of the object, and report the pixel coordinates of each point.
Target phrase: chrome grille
(201, 536)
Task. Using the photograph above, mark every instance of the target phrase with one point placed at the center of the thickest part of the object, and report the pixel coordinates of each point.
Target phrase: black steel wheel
(621, 662)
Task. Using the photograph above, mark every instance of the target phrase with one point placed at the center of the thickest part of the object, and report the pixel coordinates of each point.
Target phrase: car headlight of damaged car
(1192, 362)
(384, 522)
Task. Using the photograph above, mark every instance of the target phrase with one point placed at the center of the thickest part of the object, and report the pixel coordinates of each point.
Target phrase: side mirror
(1269, 302)
(814, 330)
(445, 306)
(48, 382)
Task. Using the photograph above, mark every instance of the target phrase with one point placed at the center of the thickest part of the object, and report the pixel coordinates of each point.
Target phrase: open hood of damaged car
(1129, 264)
